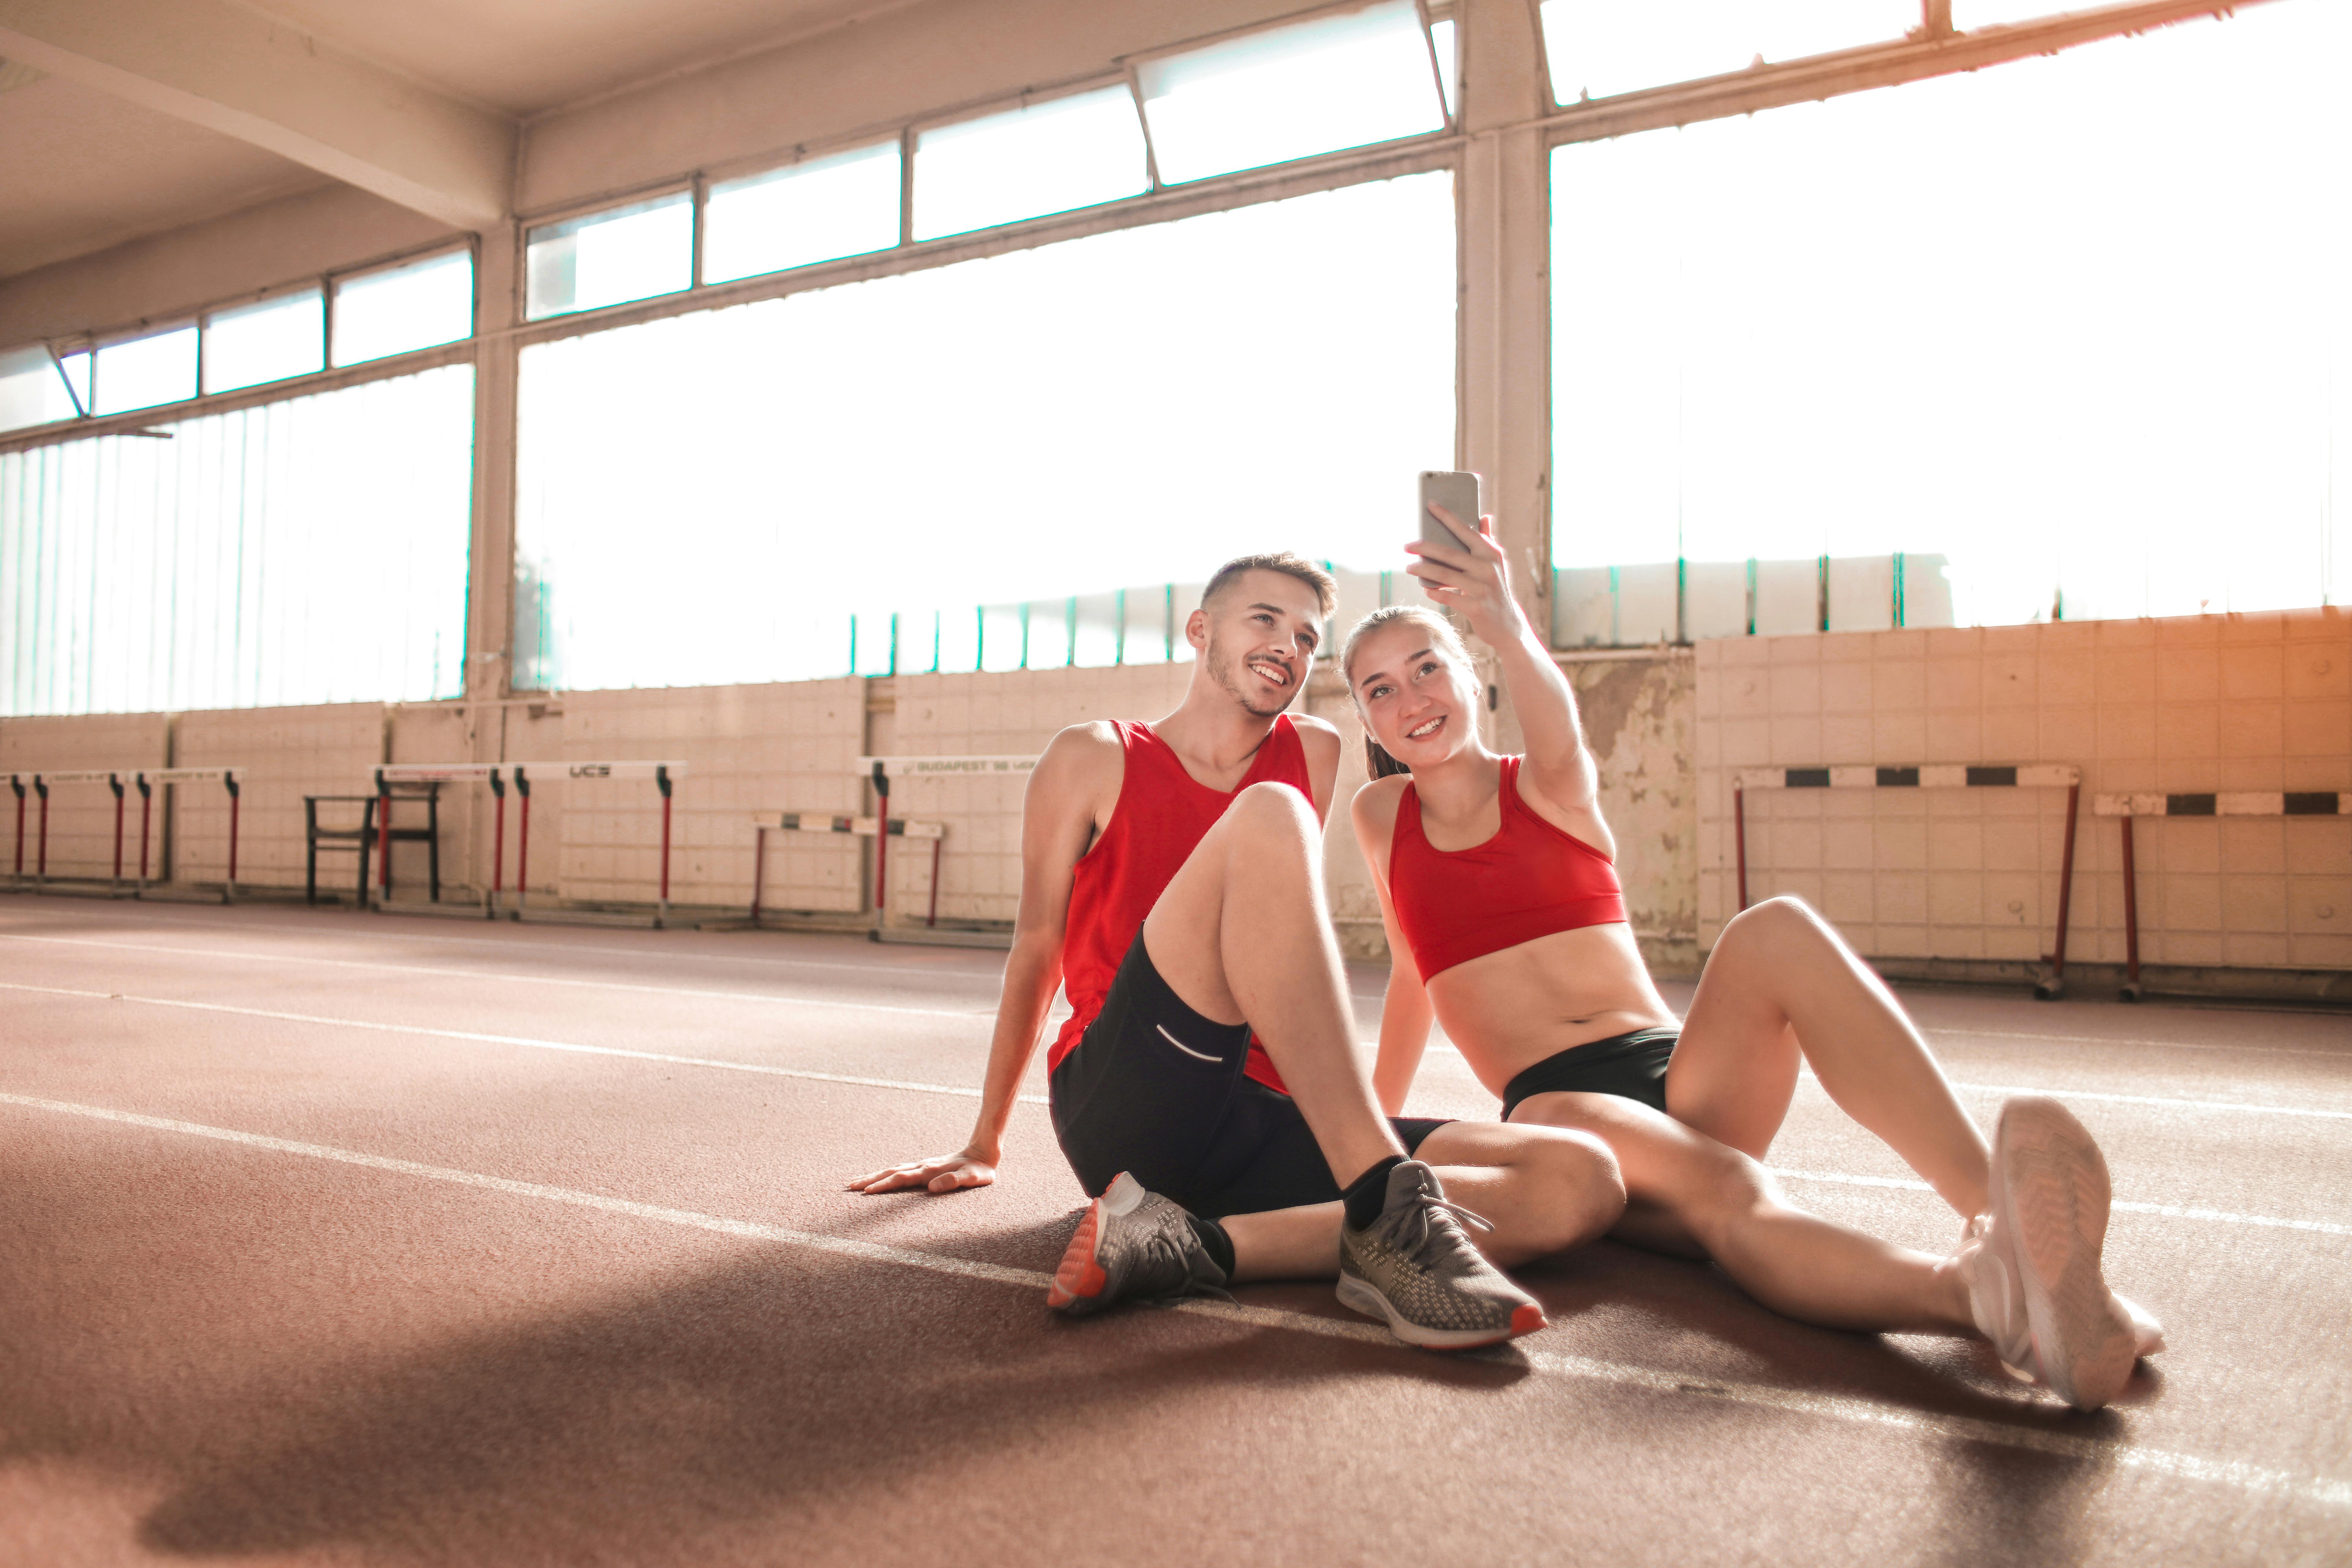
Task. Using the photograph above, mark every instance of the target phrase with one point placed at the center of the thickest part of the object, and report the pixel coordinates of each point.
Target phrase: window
(1447, 49)
(1268, 97)
(826, 208)
(311, 550)
(399, 310)
(33, 388)
(1597, 47)
(145, 371)
(1023, 460)
(250, 344)
(2076, 353)
(1048, 157)
(612, 256)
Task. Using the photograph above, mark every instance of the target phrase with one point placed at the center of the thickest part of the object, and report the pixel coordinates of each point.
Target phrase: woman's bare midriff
(1509, 1010)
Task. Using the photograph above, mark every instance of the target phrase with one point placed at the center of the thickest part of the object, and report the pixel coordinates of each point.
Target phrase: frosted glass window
(1025, 162)
(1596, 47)
(612, 257)
(417, 305)
(1108, 418)
(2014, 355)
(818, 211)
(76, 367)
(1290, 92)
(309, 550)
(32, 390)
(1449, 59)
(265, 341)
(143, 372)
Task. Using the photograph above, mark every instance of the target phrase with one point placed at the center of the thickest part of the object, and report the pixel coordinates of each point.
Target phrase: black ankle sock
(1214, 1241)
(1368, 1194)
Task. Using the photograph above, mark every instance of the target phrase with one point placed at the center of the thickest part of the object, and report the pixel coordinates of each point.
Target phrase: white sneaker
(1997, 1302)
(2032, 1264)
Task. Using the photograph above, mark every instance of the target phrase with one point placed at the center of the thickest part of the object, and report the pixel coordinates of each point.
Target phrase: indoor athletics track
(338, 1239)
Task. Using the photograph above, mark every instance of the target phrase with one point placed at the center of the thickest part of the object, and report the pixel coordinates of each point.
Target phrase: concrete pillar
(489, 599)
(1504, 376)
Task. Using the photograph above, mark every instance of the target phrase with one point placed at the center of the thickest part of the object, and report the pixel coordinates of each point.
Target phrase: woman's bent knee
(1584, 1189)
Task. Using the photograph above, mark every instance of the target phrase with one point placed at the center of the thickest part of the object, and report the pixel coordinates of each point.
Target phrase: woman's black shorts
(1632, 1067)
(1154, 1089)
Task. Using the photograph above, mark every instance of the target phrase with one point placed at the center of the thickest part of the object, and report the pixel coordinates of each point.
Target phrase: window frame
(331, 377)
(1450, 119)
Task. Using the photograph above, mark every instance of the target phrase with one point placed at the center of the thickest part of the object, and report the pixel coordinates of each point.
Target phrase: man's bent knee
(1274, 808)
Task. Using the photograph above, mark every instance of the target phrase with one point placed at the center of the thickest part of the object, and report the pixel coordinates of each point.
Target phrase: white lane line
(521, 944)
(2160, 1100)
(522, 979)
(1962, 1031)
(2168, 1211)
(1837, 1407)
(523, 1040)
(2068, 1093)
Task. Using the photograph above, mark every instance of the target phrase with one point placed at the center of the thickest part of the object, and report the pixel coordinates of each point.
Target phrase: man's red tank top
(1162, 814)
(1529, 881)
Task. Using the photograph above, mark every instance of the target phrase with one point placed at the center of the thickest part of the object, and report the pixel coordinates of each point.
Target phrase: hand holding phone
(1459, 493)
(1480, 587)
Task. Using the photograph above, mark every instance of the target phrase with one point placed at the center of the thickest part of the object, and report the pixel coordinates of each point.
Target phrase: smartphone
(1464, 495)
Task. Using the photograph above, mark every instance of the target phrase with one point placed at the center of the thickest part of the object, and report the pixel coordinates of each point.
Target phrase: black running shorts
(1155, 1089)
(1632, 1067)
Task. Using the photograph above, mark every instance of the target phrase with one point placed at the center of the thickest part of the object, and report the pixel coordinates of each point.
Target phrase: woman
(1499, 891)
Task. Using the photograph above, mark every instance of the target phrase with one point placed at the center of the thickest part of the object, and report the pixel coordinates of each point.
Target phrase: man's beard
(1231, 674)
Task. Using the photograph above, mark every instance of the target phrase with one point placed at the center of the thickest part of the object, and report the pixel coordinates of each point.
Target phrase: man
(1207, 1089)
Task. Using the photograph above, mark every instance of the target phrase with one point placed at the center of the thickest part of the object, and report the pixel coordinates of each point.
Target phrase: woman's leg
(1782, 986)
(1686, 1192)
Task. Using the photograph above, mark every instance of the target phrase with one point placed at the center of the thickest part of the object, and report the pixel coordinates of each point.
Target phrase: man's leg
(1241, 935)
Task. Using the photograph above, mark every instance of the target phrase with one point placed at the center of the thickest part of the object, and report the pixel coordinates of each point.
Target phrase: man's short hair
(1326, 592)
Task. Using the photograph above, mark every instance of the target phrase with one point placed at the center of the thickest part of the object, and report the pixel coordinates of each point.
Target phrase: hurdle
(1952, 777)
(497, 775)
(766, 822)
(147, 779)
(880, 771)
(2249, 803)
(144, 779)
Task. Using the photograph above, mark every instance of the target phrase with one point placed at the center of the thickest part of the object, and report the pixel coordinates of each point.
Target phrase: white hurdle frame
(664, 774)
(880, 769)
(2247, 803)
(144, 779)
(1951, 775)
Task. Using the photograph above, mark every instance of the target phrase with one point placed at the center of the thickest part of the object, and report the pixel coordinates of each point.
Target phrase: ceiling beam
(232, 70)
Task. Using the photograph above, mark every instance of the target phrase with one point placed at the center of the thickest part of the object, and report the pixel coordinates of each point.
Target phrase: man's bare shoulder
(1081, 758)
(1317, 733)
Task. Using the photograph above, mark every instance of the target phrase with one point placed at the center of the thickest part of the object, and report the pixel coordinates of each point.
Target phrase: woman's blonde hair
(1442, 634)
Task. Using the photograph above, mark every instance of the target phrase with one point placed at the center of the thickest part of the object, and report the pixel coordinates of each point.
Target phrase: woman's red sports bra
(1529, 881)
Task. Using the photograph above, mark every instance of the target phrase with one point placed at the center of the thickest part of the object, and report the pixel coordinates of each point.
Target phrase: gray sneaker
(1131, 1246)
(1415, 1267)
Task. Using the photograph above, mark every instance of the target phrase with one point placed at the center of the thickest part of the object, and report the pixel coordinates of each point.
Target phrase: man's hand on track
(940, 1174)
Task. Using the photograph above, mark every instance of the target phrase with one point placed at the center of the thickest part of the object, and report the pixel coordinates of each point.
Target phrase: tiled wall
(287, 753)
(790, 747)
(2235, 703)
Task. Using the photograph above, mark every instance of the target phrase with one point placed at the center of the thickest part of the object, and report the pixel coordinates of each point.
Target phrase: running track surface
(337, 1238)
